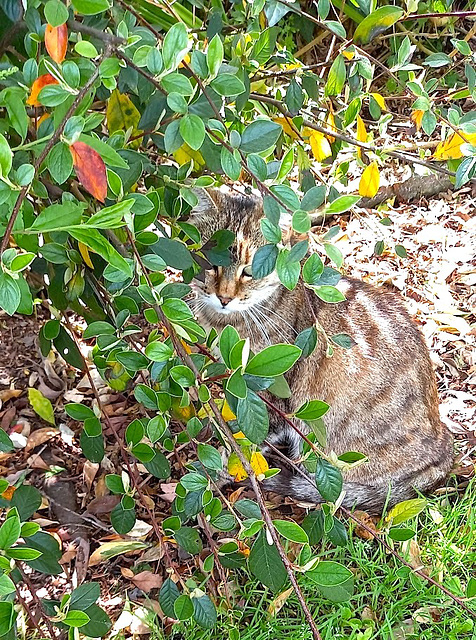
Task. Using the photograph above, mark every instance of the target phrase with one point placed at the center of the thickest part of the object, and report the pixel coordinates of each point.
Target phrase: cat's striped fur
(382, 392)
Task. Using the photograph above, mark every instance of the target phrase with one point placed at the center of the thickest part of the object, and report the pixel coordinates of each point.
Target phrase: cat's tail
(370, 498)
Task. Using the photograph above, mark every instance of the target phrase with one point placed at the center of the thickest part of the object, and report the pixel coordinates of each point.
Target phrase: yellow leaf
(187, 59)
(349, 53)
(186, 154)
(235, 468)
(278, 602)
(331, 124)
(370, 181)
(122, 115)
(258, 463)
(380, 100)
(227, 413)
(41, 405)
(83, 250)
(361, 134)
(450, 149)
(182, 413)
(288, 127)
(417, 117)
(321, 149)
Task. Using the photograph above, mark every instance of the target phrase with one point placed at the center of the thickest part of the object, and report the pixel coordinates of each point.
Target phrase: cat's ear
(206, 203)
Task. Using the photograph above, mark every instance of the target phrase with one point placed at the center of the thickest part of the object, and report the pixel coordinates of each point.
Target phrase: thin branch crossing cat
(382, 392)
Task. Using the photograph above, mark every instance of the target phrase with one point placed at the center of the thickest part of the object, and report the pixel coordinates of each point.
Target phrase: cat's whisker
(273, 325)
(261, 306)
(260, 326)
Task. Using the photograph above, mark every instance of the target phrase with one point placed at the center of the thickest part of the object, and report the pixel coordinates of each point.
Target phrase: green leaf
(312, 409)
(189, 539)
(329, 574)
(10, 531)
(209, 457)
(405, 510)
(99, 623)
(183, 376)
(6, 156)
(301, 222)
(167, 596)
(307, 341)
(252, 417)
(95, 241)
(10, 294)
(175, 46)
(227, 85)
(204, 611)
(57, 217)
(107, 153)
(75, 618)
(336, 78)
(111, 217)
(341, 204)
(56, 13)
(401, 534)
(8, 616)
(273, 360)
(291, 531)
(6, 586)
(48, 546)
(313, 525)
(158, 351)
(312, 269)
(183, 608)
(288, 272)
(214, 55)
(90, 7)
(313, 198)
(343, 340)
(27, 500)
(376, 23)
(41, 405)
(192, 130)
(334, 254)
(230, 164)
(259, 136)
(123, 519)
(174, 252)
(265, 563)
(328, 480)
(329, 294)
(228, 338)
(471, 588)
(264, 261)
(294, 97)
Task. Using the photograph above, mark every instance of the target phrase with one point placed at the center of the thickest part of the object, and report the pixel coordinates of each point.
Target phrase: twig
(108, 38)
(451, 14)
(49, 145)
(37, 601)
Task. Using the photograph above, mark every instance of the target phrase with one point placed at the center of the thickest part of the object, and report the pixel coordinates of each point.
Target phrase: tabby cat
(382, 392)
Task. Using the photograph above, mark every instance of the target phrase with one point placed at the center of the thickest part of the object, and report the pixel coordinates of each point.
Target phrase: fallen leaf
(90, 169)
(41, 405)
(8, 394)
(146, 581)
(40, 436)
(367, 520)
(56, 42)
(109, 550)
(37, 86)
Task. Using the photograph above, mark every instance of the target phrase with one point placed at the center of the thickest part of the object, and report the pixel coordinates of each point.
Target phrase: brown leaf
(8, 394)
(37, 86)
(56, 41)
(104, 504)
(146, 581)
(278, 602)
(366, 519)
(90, 470)
(40, 436)
(90, 169)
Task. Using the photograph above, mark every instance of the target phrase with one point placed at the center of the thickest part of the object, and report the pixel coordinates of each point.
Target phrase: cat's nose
(224, 300)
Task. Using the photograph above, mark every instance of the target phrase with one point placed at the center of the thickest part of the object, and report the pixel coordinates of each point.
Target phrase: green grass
(384, 590)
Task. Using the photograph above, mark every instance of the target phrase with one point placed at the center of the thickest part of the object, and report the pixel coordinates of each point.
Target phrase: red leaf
(90, 169)
(37, 86)
(56, 41)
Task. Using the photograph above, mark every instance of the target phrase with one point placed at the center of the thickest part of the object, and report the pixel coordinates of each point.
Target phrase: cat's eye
(247, 272)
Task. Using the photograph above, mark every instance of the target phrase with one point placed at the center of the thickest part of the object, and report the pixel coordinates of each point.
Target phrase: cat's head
(230, 290)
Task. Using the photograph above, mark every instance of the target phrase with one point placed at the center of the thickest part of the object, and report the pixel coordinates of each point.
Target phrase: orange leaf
(90, 169)
(417, 117)
(37, 86)
(56, 41)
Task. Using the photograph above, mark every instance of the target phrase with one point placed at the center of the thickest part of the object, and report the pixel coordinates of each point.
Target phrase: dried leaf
(40, 436)
(370, 181)
(8, 394)
(41, 405)
(90, 169)
(278, 602)
(146, 581)
(37, 86)
(56, 41)
(321, 149)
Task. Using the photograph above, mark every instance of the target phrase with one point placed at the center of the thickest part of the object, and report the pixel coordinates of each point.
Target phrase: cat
(381, 392)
